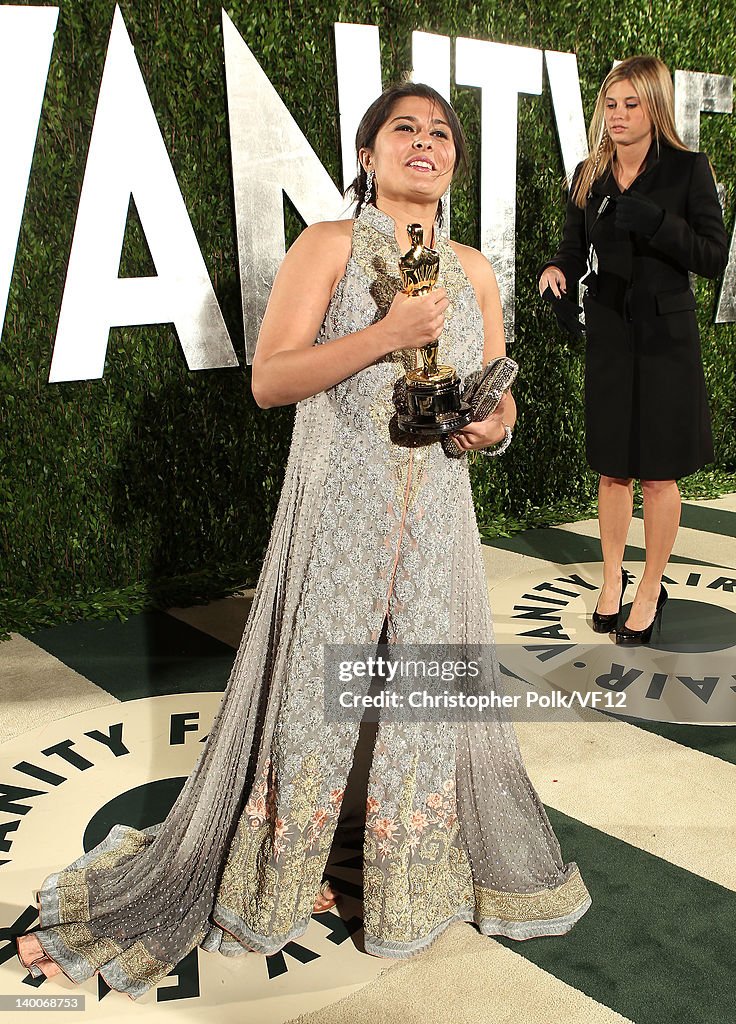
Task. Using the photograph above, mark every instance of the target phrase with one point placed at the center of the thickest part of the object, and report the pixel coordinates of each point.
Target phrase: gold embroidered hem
(70, 901)
(519, 915)
(532, 906)
(514, 915)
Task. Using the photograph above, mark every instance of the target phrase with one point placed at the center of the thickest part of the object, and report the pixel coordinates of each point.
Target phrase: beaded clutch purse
(483, 390)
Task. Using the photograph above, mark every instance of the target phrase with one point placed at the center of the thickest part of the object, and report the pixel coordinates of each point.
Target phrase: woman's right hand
(414, 321)
(553, 278)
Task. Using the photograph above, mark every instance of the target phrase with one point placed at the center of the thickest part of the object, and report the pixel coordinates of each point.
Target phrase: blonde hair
(653, 85)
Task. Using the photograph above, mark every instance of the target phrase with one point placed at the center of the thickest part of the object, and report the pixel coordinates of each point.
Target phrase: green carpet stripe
(657, 944)
(564, 547)
(147, 655)
(709, 520)
(716, 740)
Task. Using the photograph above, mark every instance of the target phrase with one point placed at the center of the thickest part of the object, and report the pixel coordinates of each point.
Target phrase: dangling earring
(444, 226)
(369, 179)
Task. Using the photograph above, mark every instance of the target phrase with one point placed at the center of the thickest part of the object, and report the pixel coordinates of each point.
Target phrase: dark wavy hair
(378, 114)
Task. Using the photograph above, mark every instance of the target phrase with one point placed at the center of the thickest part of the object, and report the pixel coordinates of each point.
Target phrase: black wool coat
(646, 406)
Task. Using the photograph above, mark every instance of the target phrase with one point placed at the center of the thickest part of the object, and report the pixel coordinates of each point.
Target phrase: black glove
(567, 312)
(634, 212)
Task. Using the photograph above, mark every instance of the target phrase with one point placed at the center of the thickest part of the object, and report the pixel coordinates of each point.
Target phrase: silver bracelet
(502, 445)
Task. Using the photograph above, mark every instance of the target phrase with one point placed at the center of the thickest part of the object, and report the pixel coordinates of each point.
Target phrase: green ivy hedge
(157, 485)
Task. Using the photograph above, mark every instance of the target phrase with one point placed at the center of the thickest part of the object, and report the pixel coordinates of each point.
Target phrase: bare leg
(30, 951)
(615, 506)
(662, 507)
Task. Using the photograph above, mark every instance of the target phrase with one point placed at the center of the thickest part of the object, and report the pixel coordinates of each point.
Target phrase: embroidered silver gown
(366, 529)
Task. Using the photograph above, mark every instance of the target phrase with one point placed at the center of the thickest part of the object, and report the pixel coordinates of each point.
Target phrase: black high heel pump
(607, 623)
(624, 635)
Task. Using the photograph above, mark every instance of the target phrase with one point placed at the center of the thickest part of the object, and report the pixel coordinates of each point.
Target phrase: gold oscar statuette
(433, 405)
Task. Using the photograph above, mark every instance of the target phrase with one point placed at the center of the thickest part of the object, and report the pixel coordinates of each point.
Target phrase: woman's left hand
(638, 214)
(490, 431)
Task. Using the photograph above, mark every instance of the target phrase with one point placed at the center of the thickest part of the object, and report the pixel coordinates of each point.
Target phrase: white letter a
(127, 156)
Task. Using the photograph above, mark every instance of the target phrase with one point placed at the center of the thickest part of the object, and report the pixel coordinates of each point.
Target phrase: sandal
(326, 898)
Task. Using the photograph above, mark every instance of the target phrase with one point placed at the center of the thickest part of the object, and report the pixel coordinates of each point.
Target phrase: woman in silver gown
(368, 532)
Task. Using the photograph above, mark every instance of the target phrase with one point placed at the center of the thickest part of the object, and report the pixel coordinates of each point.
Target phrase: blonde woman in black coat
(643, 209)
